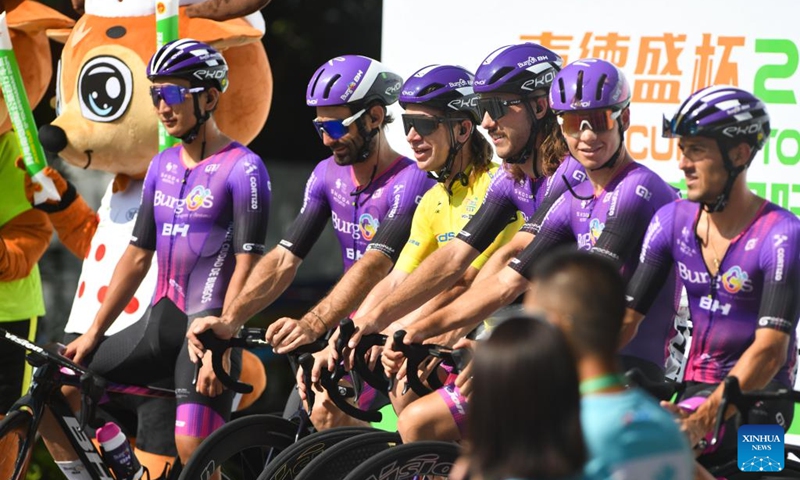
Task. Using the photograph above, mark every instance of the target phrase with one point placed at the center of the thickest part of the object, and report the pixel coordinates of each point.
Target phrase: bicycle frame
(45, 392)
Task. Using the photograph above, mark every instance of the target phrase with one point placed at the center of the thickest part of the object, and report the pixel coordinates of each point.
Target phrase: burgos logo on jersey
(200, 196)
(736, 279)
(368, 225)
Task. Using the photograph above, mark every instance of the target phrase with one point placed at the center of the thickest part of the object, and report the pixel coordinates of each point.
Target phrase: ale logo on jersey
(760, 448)
(735, 279)
(368, 226)
(200, 196)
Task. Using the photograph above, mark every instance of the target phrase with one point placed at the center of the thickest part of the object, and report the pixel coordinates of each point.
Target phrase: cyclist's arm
(382, 290)
(655, 262)
(757, 366)
(442, 300)
(442, 268)
(504, 254)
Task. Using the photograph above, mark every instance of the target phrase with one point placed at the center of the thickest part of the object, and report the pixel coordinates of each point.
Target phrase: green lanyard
(602, 382)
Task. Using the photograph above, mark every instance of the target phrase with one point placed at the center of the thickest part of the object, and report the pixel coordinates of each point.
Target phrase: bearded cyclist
(736, 254)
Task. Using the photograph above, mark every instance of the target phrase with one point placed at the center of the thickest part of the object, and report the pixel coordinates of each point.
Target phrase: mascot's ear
(224, 10)
(222, 35)
(34, 17)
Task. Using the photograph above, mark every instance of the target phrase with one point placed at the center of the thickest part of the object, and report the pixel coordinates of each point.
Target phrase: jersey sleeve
(395, 227)
(144, 230)
(421, 241)
(655, 260)
(314, 214)
(496, 212)
(779, 262)
(555, 231)
(502, 238)
(568, 175)
(633, 204)
(250, 190)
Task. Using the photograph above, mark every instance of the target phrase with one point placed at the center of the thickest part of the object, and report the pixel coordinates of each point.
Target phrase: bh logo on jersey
(735, 280)
(368, 226)
(200, 196)
(595, 229)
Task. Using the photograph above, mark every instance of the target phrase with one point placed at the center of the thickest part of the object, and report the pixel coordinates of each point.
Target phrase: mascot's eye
(105, 86)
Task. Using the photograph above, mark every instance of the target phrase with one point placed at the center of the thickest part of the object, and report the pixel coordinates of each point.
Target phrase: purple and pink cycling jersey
(197, 219)
(531, 197)
(387, 202)
(613, 223)
(756, 285)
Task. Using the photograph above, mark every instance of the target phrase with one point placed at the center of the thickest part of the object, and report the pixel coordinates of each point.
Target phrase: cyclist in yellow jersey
(440, 120)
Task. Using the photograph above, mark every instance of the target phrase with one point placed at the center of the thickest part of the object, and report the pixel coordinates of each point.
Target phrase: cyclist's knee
(326, 415)
(155, 464)
(427, 419)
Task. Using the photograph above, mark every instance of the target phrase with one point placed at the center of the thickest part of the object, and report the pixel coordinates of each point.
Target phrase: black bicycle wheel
(15, 446)
(339, 460)
(241, 448)
(288, 464)
(417, 460)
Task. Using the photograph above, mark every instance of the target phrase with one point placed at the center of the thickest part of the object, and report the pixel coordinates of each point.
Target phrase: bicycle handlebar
(415, 353)
(732, 394)
(248, 338)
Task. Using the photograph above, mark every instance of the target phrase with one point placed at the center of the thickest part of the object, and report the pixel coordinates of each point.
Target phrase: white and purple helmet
(521, 69)
(352, 79)
(588, 84)
(191, 60)
(445, 87)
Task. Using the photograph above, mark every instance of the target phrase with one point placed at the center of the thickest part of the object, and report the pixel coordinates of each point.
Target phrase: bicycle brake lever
(306, 361)
(730, 389)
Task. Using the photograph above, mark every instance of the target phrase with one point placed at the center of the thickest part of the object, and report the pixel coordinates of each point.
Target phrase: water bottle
(118, 454)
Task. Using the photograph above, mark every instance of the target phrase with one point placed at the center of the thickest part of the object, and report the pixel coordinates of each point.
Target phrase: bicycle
(18, 429)
(289, 462)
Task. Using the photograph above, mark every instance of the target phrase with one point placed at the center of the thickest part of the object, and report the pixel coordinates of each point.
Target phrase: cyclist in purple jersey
(512, 82)
(366, 189)
(614, 205)
(736, 254)
(204, 209)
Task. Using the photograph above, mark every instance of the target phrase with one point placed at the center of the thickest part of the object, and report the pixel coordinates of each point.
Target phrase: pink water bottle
(118, 454)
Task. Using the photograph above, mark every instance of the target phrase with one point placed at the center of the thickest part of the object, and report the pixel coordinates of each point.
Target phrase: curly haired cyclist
(736, 254)
(512, 83)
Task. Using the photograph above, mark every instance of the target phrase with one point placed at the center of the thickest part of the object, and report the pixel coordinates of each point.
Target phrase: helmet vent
(500, 74)
(579, 86)
(600, 83)
(330, 85)
(316, 80)
(561, 90)
(430, 89)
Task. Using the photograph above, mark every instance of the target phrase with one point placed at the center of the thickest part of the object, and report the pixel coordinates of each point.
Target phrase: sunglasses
(171, 94)
(336, 129)
(425, 124)
(497, 108)
(598, 121)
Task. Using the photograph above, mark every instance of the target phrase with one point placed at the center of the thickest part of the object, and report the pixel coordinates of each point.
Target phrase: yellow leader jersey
(439, 217)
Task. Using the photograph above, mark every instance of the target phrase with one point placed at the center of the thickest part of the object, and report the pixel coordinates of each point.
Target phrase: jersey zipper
(186, 174)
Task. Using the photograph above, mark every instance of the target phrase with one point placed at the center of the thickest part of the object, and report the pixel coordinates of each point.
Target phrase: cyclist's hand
(301, 386)
(207, 382)
(286, 334)
(686, 422)
(464, 381)
(348, 354)
(221, 329)
(82, 347)
(373, 355)
(391, 360)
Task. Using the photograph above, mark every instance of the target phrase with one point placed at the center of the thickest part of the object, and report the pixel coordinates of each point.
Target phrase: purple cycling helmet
(588, 84)
(723, 112)
(445, 87)
(729, 115)
(191, 60)
(520, 69)
(352, 79)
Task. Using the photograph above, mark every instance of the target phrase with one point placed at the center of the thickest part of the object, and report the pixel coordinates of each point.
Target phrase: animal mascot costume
(105, 121)
(24, 232)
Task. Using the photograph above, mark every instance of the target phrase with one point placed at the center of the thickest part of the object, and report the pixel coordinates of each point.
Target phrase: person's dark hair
(589, 291)
(480, 149)
(552, 150)
(524, 411)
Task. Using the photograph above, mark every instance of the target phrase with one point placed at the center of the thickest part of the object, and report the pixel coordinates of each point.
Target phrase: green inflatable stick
(166, 31)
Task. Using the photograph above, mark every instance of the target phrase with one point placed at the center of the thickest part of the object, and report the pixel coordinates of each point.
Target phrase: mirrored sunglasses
(171, 94)
(336, 129)
(599, 121)
(424, 124)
